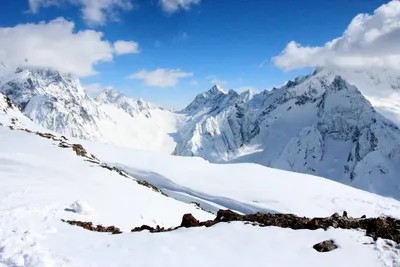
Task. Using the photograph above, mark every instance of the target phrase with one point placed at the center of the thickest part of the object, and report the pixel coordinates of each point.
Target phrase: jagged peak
(339, 82)
(109, 90)
(217, 89)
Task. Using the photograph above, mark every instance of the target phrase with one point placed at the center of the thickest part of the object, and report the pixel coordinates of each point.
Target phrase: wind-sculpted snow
(317, 124)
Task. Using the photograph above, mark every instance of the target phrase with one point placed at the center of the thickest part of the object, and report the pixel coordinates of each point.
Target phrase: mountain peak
(217, 89)
(108, 95)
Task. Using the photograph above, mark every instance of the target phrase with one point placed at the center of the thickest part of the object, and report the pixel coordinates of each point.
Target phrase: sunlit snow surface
(41, 183)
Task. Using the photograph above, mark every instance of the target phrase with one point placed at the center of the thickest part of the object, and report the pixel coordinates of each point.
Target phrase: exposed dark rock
(64, 145)
(98, 228)
(141, 228)
(79, 150)
(386, 228)
(46, 135)
(344, 214)
(144, 183)
(9, 102)
(157, 229)
(325, 246)
(189, 221)
(228, 215)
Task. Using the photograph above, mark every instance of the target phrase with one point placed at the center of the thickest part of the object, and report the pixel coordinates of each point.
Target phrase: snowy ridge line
(80, 151)
(385, 228)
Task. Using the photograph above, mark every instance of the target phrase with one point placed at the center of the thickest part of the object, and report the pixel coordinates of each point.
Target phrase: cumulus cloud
(160, 77)
(370, 40)
(124, 47)
(93, 11)
(55, 45)
(172, 6)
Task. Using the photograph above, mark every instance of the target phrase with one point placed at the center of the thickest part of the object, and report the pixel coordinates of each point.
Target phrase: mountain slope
(317, 124)
(54, 100)
(136, 123)
(43, 183)
(59, 103)
(129, 105)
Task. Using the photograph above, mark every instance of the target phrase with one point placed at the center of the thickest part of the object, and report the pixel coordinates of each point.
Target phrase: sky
(168, 51)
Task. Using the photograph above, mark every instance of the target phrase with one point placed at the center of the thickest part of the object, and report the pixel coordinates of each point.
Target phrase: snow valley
(92, 204)
(332, 123)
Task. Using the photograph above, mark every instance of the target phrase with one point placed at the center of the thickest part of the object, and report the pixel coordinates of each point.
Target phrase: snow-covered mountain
(129, 105)
(58, 102)
(318, 124)
(60, 200)
(54, 100)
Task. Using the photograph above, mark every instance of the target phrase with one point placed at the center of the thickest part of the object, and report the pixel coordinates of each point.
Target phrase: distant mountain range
(333, 123)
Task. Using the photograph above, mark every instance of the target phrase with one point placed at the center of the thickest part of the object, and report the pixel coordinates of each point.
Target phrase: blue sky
(225, 41)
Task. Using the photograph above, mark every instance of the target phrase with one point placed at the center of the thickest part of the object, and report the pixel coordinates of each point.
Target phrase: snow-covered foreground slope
(317, 124)
(245, 187)
(40, 184)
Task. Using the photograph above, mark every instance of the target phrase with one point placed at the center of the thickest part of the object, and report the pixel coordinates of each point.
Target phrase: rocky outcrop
(189, 221)
(96, 228)
(385, 227)
(325, 246)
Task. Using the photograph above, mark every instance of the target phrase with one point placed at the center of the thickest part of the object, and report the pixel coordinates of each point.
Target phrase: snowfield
(42, 183)
(244, 187)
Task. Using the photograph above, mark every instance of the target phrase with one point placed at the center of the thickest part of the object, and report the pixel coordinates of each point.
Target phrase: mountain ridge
(318, 124)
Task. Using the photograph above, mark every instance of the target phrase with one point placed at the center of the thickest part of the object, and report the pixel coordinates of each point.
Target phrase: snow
(81, 207)
(234, 244)
(39, 182)
(245, 187)
(58, 102)
(156, 133)
(318, 124)
(310, 125)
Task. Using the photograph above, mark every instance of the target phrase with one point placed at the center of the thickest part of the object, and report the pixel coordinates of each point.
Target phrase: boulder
(189, 221)
(325, 246)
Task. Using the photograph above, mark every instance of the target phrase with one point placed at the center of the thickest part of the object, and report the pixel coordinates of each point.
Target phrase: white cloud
(35, 5)
(194, 83)
(93, 88)
(369, 41)
(215, 80)
(95, 12)
(124, 47)
(54, 45)
(171, 6)
(160, 77)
